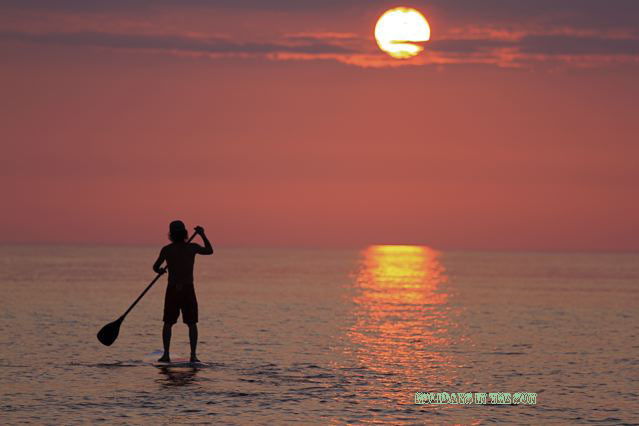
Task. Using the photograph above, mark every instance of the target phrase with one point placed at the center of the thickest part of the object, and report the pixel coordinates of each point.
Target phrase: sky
(282, 124)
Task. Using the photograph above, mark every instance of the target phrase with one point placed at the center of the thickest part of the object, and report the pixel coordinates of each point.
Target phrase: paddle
(109, 332)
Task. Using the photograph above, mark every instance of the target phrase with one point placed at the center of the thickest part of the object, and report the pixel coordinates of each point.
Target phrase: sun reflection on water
(401, 274)
(402, 323)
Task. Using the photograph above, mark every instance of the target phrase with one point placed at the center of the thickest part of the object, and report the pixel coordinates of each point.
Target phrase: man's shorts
(180, 300)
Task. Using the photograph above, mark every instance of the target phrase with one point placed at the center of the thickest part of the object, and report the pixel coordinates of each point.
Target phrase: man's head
(177, 231)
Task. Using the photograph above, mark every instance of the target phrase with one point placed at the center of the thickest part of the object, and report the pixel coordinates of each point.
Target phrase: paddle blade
(109, 332)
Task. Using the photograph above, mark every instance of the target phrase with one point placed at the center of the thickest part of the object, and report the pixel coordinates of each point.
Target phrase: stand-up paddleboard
(179, 363)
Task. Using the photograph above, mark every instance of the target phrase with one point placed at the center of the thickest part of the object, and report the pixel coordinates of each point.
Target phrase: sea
(383, 334)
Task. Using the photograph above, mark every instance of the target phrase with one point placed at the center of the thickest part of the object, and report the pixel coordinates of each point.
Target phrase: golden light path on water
(402, 328)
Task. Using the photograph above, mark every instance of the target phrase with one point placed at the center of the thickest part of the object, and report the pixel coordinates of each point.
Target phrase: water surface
(320, 336)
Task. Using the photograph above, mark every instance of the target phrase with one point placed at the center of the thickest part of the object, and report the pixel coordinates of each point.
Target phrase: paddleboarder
(180, 292)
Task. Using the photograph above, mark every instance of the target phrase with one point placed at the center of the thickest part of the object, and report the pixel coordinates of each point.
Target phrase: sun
(399, 30)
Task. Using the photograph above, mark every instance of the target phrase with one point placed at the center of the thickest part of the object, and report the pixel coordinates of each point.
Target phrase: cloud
(543, 44)
(501, 49)
(179, 43)
(575, 45)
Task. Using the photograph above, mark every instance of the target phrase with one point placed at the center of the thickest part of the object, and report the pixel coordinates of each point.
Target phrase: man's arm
(208, 248)
(157, 266)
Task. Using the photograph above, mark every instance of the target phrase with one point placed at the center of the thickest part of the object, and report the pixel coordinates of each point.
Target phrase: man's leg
(193, 341)
(171, 314)
(189, 316)
(166, 340)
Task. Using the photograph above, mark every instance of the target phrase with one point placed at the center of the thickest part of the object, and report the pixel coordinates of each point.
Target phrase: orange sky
(286, 126)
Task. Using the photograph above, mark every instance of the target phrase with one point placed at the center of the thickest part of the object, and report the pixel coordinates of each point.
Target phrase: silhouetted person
(180, 292)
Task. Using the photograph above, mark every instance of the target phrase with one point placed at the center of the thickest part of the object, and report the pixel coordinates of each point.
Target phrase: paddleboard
(179, 362)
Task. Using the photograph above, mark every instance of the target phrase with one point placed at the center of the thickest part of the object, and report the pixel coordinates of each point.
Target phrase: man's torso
(180, 258)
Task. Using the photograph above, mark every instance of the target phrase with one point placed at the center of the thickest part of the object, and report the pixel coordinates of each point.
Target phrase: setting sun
(399, 30)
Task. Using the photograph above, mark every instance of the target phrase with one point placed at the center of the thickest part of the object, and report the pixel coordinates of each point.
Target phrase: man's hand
(207, 249)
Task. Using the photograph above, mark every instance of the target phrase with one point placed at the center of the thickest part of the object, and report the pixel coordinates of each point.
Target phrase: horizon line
(332, 247)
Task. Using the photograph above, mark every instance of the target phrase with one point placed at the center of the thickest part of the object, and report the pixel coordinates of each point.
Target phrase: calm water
(322, 337)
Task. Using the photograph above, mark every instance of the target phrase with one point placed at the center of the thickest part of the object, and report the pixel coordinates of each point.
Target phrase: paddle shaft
(149, 286)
